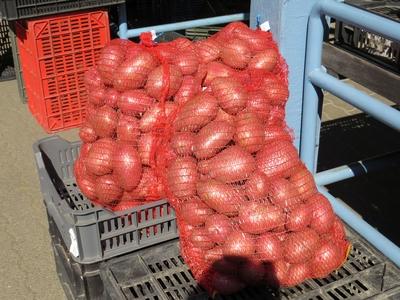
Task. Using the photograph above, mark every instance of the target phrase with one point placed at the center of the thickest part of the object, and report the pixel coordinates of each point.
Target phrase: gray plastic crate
(79, 281)
(159, 273)
(99, 234)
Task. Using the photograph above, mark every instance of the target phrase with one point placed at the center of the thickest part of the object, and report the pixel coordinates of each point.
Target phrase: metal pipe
(357, 168)
(377, 239)
(123, 25)
(366, 103)
(188, 24)
(361, 18)
(309, 122)
(334, 175)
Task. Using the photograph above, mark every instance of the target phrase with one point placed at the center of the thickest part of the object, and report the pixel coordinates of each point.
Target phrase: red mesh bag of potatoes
(248, 210)
(131, 92)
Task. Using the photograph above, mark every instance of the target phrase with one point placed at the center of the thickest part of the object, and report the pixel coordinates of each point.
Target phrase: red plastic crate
(55, 53)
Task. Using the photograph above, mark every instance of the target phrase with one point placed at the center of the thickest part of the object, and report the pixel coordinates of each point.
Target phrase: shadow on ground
(375, 196)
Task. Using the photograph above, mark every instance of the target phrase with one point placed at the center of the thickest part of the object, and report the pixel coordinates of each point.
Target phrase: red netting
(248, 210)
(203, 123)
(130, 98)
(127, 91)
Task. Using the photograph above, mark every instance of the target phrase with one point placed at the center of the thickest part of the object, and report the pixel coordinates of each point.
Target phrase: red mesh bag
(248, 210)
(131, 91)
(203, 123)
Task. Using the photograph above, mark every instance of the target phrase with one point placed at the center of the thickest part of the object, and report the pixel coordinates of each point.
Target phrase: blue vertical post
(122, 22)
(288, 20)
(310, 113)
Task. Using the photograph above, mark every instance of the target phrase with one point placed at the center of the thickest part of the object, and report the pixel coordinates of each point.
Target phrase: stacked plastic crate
(160, 273)
(86, 241)
(85, 235)
(54, 51)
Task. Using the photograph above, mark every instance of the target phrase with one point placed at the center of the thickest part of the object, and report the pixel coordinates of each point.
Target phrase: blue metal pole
(355, 97)
(334, 175)
(188, 24)
(309, 122)
(390, 160)
(382, 243)
(361, 18)
(122, 20)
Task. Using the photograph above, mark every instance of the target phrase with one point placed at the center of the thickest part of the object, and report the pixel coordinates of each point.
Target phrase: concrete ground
(334, 108)
(27, 268)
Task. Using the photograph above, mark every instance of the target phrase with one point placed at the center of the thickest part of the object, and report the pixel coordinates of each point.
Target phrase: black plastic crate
(79, 281)
(6, 58)
(159, 273)
(23, 9)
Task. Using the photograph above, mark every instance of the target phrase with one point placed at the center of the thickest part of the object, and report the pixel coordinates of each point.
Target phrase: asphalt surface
(27, 269)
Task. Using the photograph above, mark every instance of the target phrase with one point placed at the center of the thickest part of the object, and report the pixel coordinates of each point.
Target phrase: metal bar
(309, 122)
(188, 24)
(123, 25)
(358, 168)
(361, 18)
(377, 239)
(334, 175)
(366, 103)
(362, 70)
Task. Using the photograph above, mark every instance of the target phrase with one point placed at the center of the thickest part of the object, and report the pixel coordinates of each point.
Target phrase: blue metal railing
(126, 33)
(386, 161)
(382, 243)
(316, 79)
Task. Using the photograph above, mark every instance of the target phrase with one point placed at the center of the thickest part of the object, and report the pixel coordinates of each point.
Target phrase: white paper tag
(73, 249)
(265, 26)
(153, 34)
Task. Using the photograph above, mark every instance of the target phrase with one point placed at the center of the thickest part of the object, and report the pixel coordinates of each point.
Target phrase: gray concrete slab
(334, 108)
(27, 269)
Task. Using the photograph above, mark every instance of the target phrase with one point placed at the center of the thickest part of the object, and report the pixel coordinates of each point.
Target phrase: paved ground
(26, 262)
(334, 108)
